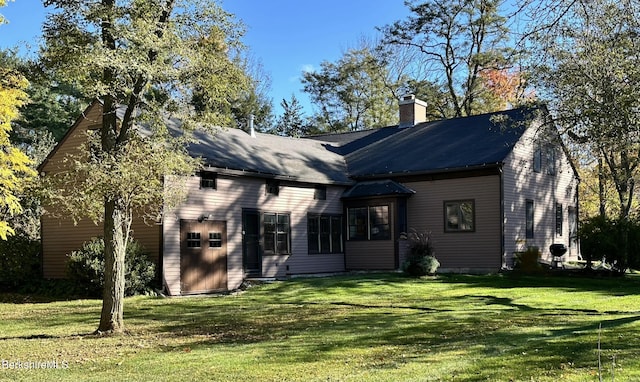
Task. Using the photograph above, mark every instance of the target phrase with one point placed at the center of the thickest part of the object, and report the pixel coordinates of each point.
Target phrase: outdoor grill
(557, 251)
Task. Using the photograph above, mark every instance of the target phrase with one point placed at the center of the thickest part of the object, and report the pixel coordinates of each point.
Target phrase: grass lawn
(376, 327)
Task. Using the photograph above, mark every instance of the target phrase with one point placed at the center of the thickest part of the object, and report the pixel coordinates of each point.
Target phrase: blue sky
(286, 36)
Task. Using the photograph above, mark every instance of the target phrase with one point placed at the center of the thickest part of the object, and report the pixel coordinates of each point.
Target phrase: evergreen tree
(292, 122)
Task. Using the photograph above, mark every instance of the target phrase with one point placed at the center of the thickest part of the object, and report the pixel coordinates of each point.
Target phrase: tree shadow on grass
(308, 326)
(311, 321)
(384, 336)
(618, 286)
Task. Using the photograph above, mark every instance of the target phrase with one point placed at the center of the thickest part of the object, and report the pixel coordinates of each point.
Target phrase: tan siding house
(477, 250)
(61, 235)
(227, 202)
(485, 187)
(539, 171)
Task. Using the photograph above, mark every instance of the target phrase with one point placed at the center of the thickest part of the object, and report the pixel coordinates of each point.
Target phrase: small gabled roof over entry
(375, 188)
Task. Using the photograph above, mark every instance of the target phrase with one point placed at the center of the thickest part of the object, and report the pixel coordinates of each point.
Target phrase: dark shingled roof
(302, 160)
(446, 145)
(265, 155)
(430, 147)
(377, 188)
(346, 143)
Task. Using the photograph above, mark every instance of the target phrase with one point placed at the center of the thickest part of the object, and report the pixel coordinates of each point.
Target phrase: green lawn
(381, 327)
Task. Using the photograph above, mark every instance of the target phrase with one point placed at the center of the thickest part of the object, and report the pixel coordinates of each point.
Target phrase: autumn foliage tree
(456, 40)
(504, 88)
(15, 170)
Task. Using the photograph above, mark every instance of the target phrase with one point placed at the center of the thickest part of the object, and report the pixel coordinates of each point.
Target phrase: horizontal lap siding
(522, 183)
(233, 194)
(479, 250)
(74, 139)
(60, 236)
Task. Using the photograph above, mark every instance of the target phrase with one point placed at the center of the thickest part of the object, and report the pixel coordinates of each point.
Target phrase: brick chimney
(412, 111)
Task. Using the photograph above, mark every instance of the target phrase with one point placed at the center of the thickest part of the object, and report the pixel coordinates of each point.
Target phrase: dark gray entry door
(251, 249)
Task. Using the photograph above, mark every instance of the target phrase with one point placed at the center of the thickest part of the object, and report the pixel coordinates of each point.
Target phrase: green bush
(421, 259)
(528, 261)
(616, 242)
(86, 267)
(20, 262)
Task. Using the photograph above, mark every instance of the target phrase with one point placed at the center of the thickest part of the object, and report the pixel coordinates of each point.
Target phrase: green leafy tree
(292, 122)
(435, 96)
(457, 40)
(592, 76)
(145, 60)
(591, 73)
(255, 100)
(353, 93)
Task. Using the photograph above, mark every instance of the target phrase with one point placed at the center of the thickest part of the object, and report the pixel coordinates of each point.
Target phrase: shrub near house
(86, 268)
(421, 260)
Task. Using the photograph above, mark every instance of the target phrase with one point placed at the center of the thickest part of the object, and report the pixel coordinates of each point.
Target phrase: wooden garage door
(203, 256)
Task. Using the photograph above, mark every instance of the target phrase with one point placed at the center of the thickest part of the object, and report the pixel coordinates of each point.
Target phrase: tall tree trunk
(111, 318)
(117, 224)
(601, 198)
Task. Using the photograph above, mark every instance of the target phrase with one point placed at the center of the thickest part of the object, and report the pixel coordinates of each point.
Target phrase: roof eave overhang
(426, 173)
(263, 175)
(378, 196)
